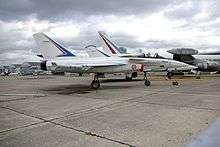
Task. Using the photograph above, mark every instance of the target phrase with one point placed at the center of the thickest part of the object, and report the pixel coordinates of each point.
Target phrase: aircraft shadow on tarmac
(119, 80)
(79, 89)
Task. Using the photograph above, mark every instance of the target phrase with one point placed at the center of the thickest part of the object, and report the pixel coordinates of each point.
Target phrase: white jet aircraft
(58, 58)
(111, 49)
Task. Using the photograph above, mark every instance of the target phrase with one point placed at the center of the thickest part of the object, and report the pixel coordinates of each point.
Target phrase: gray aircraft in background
(204, 61)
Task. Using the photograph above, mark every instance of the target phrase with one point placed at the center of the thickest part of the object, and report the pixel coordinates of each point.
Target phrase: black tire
(128, 78)
(169, 75)
(95, 84)
(134, 75)
(147, 83)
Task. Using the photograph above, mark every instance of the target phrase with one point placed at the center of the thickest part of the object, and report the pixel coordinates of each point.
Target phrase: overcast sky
(131, 23)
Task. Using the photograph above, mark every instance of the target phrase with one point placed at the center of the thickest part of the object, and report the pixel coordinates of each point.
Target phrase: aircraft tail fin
(49, 48)
(93, 51)
(109, 46)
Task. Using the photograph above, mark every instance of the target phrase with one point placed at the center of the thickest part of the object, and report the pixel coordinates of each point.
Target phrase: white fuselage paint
(113, 65)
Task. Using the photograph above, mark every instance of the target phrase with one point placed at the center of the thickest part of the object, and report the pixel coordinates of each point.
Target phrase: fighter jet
(58, 58)
(112, 49)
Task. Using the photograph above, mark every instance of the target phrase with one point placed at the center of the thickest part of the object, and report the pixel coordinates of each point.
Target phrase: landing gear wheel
(128, 78)
(169, 75)
(95, 84)
(198, 77)
(147, 83)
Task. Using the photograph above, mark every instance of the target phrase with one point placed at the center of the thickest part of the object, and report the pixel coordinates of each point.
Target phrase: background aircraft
(112, 49)
(205, 61)
(193, 57)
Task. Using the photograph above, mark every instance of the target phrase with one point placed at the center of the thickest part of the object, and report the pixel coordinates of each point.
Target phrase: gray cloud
(66, 9)
(17, 56)
(184, 10)
(20, 18)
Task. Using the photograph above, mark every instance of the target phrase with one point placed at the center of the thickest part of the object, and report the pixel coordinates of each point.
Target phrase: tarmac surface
(65, 111)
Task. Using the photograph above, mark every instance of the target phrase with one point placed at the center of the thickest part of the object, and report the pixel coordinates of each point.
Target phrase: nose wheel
(146, 82)
(169, 75)
(95, 83)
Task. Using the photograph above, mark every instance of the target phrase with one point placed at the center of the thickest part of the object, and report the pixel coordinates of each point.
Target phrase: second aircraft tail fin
(109, 46)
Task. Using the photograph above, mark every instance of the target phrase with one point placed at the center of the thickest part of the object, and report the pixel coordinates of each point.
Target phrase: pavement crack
(6, 107)
(64, 126)
(25, 126)
(94, 134)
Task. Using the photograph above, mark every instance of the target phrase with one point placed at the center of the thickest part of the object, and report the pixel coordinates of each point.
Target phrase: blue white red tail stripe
(112, 47)
(61, 48)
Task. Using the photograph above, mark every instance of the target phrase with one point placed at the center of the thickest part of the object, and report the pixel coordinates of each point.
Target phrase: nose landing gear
(95, 83)
(146, 82)
(169, 75)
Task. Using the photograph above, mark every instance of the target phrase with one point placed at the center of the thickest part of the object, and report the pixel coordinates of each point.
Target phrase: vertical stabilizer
(50, 48)
(108, 46)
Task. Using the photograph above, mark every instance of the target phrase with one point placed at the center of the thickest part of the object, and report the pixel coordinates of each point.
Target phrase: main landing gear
(127, 78)
(198, 75)
(95, 83)
(146, 82)
(169, 75)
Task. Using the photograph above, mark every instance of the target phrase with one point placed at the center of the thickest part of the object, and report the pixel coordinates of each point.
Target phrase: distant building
(6, 70)
(26, 68)
(29, 68)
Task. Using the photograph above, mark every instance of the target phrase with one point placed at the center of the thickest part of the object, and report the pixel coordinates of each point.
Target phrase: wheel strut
(146, 82)
(95, 83)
